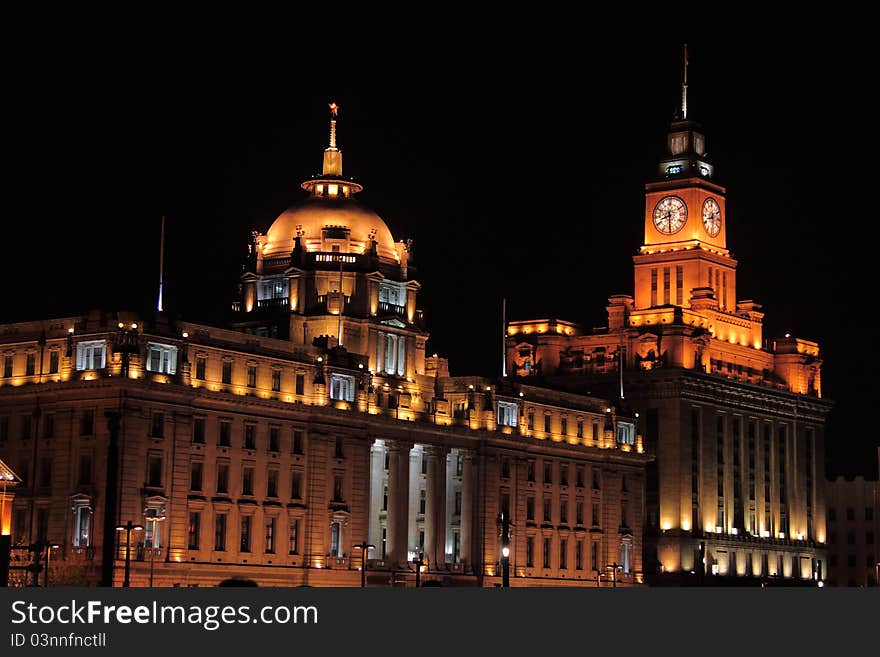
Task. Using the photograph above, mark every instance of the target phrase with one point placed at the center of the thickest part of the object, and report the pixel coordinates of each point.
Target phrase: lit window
(626, 433)
(507, 414)
(161, 358)
(91, 355)
(82, 521)
(674, 169)
(342, 387)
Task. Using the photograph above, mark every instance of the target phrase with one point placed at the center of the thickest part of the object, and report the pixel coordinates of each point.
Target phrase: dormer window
(161, 358)
(91, 355)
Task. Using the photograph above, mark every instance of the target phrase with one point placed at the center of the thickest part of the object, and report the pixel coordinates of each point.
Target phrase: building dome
(310, 218)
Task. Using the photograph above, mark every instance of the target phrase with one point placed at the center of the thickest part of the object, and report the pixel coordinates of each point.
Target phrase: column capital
(398, 445)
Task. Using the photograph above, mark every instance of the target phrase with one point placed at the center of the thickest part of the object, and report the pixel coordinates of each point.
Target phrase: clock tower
(684, 256)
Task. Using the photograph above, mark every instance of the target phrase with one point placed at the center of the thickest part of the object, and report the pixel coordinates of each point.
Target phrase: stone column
(435, 506)
(467, 506)
(398, 501)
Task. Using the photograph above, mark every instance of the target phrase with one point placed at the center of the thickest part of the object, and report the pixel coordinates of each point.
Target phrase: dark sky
(515, 162)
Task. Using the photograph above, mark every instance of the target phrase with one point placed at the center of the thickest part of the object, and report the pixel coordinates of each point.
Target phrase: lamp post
(418, 563)
(364, 548)
(598, 578)
(155, 522)
(128, 528)
(49, 548)
(614, 567)
(504, 521)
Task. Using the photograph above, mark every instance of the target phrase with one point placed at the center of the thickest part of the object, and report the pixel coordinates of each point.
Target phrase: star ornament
(334, 109)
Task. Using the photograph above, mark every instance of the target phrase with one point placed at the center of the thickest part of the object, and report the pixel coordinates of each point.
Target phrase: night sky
(515, 163)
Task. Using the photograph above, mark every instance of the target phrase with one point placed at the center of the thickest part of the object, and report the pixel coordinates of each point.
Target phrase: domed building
(328, 271)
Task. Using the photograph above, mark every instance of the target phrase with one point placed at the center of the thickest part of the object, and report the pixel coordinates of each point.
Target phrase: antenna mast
(684, 86)
(161, 262)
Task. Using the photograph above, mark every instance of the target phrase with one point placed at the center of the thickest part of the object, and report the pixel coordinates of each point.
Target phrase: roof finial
(684, 86)
(334, 110)
(332, 155)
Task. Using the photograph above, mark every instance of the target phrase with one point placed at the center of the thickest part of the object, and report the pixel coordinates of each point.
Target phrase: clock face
(670, 215)
(711, 217)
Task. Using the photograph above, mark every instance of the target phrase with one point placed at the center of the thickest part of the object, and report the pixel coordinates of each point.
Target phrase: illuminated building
(853, 531)
(269, 450)
(736, 420)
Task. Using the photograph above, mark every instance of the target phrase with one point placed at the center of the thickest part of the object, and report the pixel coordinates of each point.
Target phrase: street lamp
(155, 520)
(128, 528)
(364, 548)
(598, 578)
(614, 567)
(418, 563)
(504, 521)
(49, 548)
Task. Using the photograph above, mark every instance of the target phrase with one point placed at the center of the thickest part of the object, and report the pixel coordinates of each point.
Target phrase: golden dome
(311, 217)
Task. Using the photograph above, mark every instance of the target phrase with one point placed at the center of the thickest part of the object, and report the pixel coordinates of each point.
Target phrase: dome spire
(684, 87)
(332, 155)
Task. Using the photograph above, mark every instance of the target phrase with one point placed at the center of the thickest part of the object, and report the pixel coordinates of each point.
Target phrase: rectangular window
(579, 474)
(53, 362)
(505, 468)
(547, 509)
(298, 441)
(85, 469)
(626, 433)
(679, 284)
(580, 428)
(530, 508)
(91, 355)
(579, 555)
(250, 436)
(226, 372)
(154, 472)
(196, 469)
(563, 512)
(7, 367)
(337, 489)
(30, 364)
(82, 523)
(49, 425)
(87, 423)
(161, 358)
(270, 536)
(300, 384)
(653, 287)
(339, 453)
(666, 285)
(201, 366)
(220, 532)
(251, 376)
(595, 514)
(223, 478)
(192, 531)
(198, 430)
(224, 436)
(531, 421)
(245, 534)
(457, 503)
(274, 439)
(157, 425)
(293, 537)
(507, 414)
(422, 501)
(563, 426)
(579, 512)
(548, 472)
(594, 556)
(548, 546)
(276, 380)
(247, 481)
(595, 432)
(342, 387)
(296, 485)
(563, 553)
(546, 424)
(596, 481)
(530, 551)
(45, 478)
(530, 471)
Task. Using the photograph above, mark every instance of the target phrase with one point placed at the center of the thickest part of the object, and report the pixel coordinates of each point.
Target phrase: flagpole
(161, 262)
